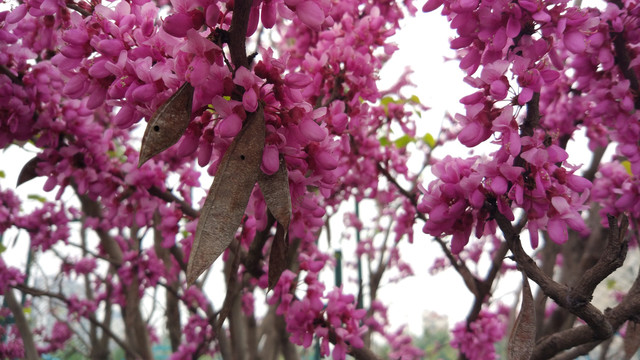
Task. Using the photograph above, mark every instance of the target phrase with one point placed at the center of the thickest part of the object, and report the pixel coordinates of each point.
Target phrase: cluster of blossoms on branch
(544, 60)
(77, 78)
(545, 71)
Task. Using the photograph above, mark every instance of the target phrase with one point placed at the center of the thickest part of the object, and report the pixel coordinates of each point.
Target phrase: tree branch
(73, 6)
(412, 197)
(577, 351)
(238, 33)
(470, 281)
(532, 120)
(168, 196)
(31, 353)
(91, 317)
(13, 77)
(612, 258)
(559, 293)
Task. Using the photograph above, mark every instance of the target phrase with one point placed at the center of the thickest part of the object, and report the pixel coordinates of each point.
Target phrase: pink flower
(270, 159)
(230, 126)
(177, 24)
(310, 14)
(312, 131)
(575, 41)
(477, 340)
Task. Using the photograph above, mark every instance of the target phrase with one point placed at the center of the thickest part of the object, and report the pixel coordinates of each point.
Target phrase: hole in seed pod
(241, 157)
(156, 128)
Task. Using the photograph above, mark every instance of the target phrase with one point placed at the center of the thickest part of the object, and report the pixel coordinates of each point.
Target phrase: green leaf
(415, 99)
(27, 310)
(40, 198)
(2, 248)
(386, 100)
(384, 141)
(429, 140)
(403, 141)
(627, 166)
(2, 174)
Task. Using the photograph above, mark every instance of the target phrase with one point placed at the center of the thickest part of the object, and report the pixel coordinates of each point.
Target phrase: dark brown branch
(590, 173)
(358, 353)
(470, 281)
(412, 197)
(484, 286)
(252, 261)
(91, 318)
(559, 293)
(532, 120)
(172, 313)
(31, 353)
(109, 245)
(612, 258)
(233, 286)
(238, 33)
(627, 309)
(168, 196)
(577, 351)
(13, 77)
(73, 6)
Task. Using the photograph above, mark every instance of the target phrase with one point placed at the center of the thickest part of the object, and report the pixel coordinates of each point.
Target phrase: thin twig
(14, 79)
(90, 317)
(168, 196)
(76, 7)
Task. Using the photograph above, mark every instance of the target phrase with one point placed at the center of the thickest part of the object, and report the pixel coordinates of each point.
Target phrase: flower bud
(177, 24)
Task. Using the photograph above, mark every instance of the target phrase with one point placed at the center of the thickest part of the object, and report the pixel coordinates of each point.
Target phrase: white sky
(423, 45)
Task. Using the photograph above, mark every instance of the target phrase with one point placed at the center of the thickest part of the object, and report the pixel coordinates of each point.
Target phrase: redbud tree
(124, 105)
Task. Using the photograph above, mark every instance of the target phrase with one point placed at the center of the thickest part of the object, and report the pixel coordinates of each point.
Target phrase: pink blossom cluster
(477, 340)
(458, 202)
(565, 56)
(145, 268)
(82, 266)
(617, 190)
(9, 276)
(400, 343)
(56, 339)
(196, 331)
(317, 314)
(9, 209)
(13, 348)
(46, 226)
